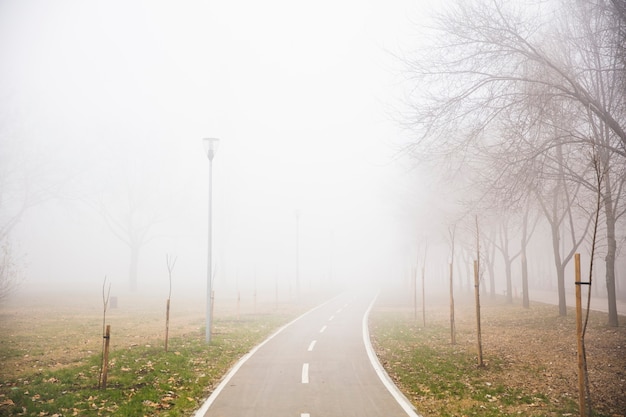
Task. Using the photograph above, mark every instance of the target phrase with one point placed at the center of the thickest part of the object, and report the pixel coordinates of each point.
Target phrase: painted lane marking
(322, 329)
(305, 415)
(312, 345)
(340, 310)
(331, 318)
(305, 373)
(209, 401)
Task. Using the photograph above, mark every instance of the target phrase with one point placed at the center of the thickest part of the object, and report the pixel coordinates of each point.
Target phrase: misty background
(104, 105)
(103, 109)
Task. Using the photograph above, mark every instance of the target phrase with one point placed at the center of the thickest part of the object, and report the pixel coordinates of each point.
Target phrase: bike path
(318, 365)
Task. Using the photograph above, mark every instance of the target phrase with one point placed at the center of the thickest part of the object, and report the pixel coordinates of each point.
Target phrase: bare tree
(503, 245)
(9, 270)
(102, 378)
(171, 263)
(549, 78)
(489, 259)
(486, 57)
(18, 192)
(132, 223)
(557, 203)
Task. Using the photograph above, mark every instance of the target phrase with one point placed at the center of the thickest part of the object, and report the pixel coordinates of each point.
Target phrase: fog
(103, 110)
(104, 105)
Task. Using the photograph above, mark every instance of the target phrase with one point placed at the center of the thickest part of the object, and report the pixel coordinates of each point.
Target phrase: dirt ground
(538, 348)
(52, 331)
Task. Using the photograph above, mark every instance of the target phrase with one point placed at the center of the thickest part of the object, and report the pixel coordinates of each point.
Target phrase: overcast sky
(98, 98)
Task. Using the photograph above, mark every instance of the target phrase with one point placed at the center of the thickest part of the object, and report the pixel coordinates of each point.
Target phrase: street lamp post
(210, 146)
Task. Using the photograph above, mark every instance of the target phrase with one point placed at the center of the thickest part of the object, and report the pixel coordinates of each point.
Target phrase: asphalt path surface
(321, 364)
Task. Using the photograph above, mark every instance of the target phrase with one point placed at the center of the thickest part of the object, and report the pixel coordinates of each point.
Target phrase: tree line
(527, 101)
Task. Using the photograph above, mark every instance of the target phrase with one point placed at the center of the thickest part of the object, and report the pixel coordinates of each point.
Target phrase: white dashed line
(312, 345)
(331, 318)
(305, 373)
(322, 329)
(305, 415)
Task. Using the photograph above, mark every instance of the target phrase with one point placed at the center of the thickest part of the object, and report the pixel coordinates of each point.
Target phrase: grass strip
(143, 380)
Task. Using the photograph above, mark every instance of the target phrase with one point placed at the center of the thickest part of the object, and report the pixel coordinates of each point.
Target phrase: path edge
(404, 402)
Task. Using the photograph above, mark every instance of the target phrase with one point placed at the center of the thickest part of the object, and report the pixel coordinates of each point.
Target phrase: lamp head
(210, 146)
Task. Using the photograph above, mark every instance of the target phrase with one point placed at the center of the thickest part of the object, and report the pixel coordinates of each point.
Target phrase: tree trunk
(525, 297)
(561, 288)
(490, 255)
(509, 284)
(492, 280)
(560, 269)
(610, 256)
(452, 325)
(134, 263)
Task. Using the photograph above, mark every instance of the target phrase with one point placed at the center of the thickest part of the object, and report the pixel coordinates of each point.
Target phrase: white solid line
(322, 329)
(209, 401)
(331, 318)
(380, 371)
(312, 345)
(305, 373)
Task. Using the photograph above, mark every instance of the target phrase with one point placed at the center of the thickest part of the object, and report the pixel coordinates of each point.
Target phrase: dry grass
(53, 332)
(50, 353)
(529, 353)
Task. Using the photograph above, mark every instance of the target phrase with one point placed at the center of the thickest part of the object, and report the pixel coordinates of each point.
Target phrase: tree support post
(105, 358)
(452, 327)
(579, 338)
(167, 322)
(424, 294)
(414, 285)
(478, 330)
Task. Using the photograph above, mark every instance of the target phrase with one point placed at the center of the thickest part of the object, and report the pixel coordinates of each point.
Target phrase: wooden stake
(452, 329)
(167, 322)
(414, 293)
(579, 338)
(478, 331)
(423, 295)
(105, 360)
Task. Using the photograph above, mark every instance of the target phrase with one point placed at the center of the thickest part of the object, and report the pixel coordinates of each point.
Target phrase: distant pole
(330, 257)
(414, 285)
(424, 293)
(424, 286)
(298, 253)
(210, 145)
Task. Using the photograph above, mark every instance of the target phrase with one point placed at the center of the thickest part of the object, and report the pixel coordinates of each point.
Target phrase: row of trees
(527, 101)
